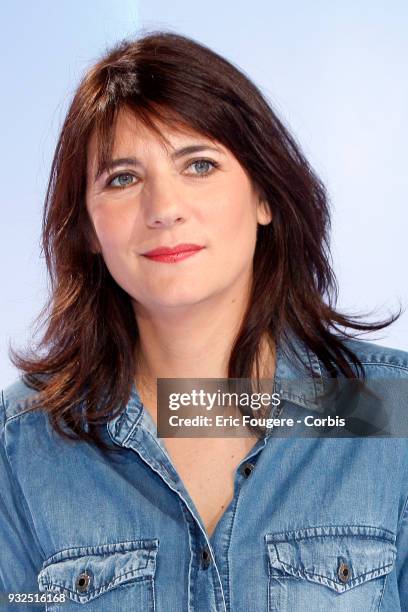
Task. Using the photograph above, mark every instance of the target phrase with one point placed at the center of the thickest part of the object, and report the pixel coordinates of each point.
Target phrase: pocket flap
(340, 557)
(84, 573)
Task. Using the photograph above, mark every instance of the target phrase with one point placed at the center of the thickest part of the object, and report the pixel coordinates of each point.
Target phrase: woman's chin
(171, 302)
(181, 301)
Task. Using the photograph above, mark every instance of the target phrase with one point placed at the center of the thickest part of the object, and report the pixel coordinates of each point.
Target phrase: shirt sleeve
(402, 559)
(20, 558)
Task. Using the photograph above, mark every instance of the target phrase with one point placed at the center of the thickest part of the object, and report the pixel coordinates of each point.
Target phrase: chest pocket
(337, 568)
(110, 577)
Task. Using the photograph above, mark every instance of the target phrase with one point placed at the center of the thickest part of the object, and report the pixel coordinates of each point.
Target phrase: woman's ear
(93, 244)
(95, 250)
(264, 214)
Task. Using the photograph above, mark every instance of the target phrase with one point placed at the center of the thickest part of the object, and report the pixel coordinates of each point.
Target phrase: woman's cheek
(242, 222)
(113, 227)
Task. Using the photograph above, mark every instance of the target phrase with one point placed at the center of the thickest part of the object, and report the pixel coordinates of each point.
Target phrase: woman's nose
(164, 205)
(165, 219)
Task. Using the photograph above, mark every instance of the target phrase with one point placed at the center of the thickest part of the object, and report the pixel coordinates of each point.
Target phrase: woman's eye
(123, 180)
(201, 166)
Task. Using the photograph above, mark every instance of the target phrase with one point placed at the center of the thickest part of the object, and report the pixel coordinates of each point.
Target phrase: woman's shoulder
(386, 376)
(378, 360)
(16, 398)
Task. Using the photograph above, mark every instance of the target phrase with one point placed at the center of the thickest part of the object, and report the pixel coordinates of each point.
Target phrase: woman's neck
(194, 342)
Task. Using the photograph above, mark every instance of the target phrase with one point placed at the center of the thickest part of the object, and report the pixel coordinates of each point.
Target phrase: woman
(186, 237)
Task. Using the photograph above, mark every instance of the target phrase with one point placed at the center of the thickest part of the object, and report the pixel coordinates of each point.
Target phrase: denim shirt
(314, 524)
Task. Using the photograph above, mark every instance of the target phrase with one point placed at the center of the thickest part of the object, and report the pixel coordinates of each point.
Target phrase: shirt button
(246, 469)
(343, 572)
(82, 582)
(205, 558)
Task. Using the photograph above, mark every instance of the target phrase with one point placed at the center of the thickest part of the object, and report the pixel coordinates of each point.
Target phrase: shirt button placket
(246, 469)
(205, 558)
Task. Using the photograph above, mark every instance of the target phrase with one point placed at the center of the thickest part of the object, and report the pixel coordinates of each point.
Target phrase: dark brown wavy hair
(84, 365)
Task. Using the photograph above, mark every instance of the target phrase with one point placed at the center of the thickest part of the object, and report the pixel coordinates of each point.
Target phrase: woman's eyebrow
(132, 161)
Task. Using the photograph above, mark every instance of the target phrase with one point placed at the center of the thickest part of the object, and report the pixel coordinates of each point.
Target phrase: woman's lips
(172, 257)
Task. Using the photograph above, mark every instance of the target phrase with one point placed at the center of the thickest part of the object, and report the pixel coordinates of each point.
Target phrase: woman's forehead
(130, 130)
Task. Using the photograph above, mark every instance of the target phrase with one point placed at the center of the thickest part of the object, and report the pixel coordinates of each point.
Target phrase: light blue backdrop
(335, 73)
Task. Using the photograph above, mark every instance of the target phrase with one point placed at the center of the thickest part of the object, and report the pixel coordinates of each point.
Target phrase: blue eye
(205, 167)
(122, 184)
(203, 163)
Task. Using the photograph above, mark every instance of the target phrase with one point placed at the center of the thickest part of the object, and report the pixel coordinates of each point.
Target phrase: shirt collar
(292, 381)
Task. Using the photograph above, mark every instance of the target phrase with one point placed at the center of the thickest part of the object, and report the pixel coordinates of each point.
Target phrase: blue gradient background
(334, 72)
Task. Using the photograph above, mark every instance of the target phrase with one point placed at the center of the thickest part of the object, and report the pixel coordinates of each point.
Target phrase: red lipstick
(173, 254)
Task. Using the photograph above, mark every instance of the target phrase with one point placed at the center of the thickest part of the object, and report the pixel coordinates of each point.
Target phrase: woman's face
(166, 197)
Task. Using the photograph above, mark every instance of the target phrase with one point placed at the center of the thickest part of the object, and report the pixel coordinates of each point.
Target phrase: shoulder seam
(18, 405)
(386, 364)
(16, 416)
